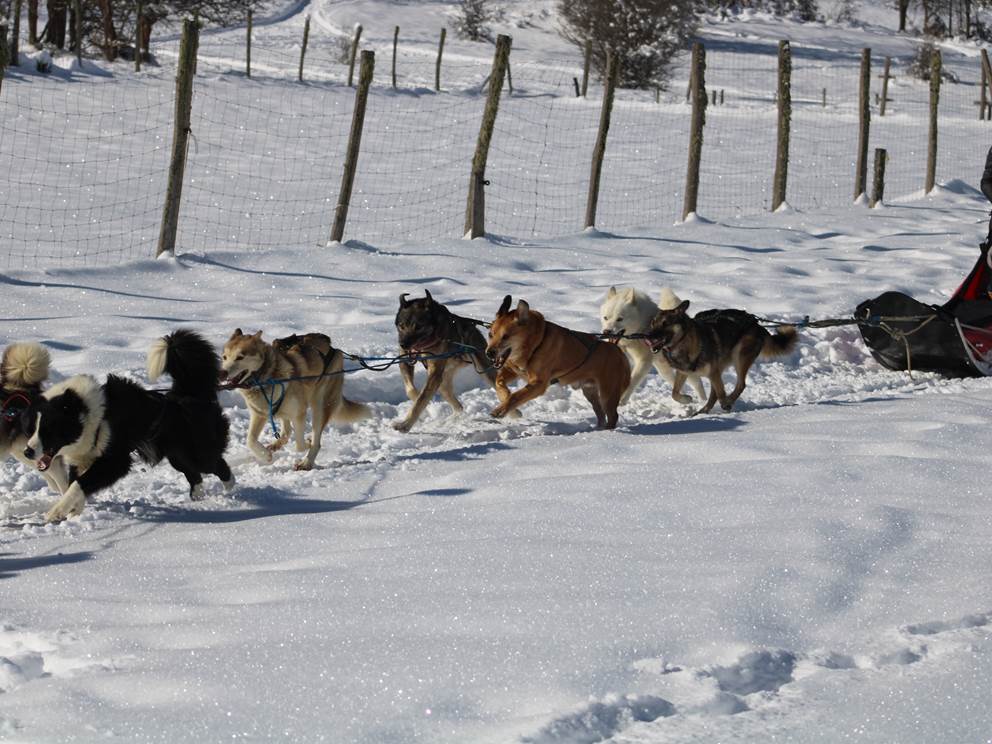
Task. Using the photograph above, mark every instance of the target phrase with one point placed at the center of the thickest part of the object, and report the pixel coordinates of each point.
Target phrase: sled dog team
(82, 435)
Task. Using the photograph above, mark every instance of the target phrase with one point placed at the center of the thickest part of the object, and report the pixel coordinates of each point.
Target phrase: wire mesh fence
(86, 155)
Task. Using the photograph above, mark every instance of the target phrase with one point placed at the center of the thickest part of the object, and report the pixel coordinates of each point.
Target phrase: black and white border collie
(96, 428)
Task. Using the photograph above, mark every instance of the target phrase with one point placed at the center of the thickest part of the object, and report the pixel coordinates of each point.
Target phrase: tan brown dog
(248, 358)
(523, 344)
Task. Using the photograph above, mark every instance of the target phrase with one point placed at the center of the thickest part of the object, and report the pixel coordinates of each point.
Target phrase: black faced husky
(96, 428)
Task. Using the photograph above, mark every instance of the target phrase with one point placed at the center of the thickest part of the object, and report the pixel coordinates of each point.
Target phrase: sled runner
(954, 339)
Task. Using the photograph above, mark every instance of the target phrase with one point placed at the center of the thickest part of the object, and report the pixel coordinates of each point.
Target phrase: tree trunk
(58, 14)
(903, 10)
(109, 32)
(33, 22)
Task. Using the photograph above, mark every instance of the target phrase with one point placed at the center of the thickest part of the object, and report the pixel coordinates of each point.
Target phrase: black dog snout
(29, 453)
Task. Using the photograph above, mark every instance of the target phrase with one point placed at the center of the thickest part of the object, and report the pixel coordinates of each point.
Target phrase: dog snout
(222, 374)
(29, 453)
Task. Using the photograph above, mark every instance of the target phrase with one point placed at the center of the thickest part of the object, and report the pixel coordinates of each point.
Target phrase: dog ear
(403, 300)
(523, 312)
(505, 307)
(612, 292)
(427, 295)
(683, 306)
(628, 296)
(257, 334)
(237, 333)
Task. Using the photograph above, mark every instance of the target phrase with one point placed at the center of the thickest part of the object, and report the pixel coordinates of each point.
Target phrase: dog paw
(275, 446)
(229, 485)
(264, 456)
(303, 465)
(196, 492)
(403, 426)
(498, 412)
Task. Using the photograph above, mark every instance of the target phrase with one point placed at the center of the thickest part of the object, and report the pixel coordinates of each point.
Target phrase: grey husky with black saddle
(426, 327)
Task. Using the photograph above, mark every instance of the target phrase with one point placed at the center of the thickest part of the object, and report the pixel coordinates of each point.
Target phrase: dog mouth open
(501, 358)
(44, 462)
(237, 379)
(656, 344)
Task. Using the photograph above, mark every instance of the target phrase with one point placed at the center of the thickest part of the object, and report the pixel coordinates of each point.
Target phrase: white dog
(631, 311)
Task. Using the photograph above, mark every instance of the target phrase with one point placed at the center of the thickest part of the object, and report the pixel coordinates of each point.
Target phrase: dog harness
(14, 406)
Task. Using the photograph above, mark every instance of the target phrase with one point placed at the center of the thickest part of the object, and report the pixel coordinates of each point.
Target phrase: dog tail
(25, 365)
(189, 359)
(348, 412)
(668, 299)
(780, 343)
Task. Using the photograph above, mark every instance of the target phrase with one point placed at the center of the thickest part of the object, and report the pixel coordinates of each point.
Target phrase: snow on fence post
(585, 67)
(180, 136)
(437, 65)
(303, 48)
(988, 78)
(885, 86)
(396, 39)
(248, 46)
(354, 145)
(697, 87)
(475, 207)
(354, 54)
(599, 150)
(14, 53)
(864, 123)
(138, 13)
(935, 71)
(3, 53)
(781, 178)
(878, 183)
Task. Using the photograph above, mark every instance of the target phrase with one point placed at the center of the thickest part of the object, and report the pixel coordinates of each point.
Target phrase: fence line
(265, 157)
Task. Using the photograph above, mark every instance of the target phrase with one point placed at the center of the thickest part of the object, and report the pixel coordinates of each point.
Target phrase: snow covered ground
(810, 567)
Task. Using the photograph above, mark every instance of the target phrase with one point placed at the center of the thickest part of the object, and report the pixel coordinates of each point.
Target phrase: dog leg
(641, 368)
(717, 392)
(69, 505)
(406, 372)
(592, 395)
(319, 417)
(746, 356)
(500, 383)
(287, 431)
(528, 392)
(299, 429)
(255, 426)
(448, 388)
(678, 380)
(223, 471)
(435, 374)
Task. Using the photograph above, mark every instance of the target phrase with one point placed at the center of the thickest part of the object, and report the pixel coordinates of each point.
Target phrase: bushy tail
(781, 343)
(24, 365)
(348, 412)
(668, 299)
(189, 359)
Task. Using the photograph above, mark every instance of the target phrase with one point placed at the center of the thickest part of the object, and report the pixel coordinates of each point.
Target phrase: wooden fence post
(475, 207)
(697, 85)
(578, 90)
(864, 123)
(14, 45)
(437, 66)
(983, 96)
(396, 39)
(885, 86)
(248, 46)
(180, 137)
(139, 12)
(354, 145)
(599, 151)
(878, 184)
(781, 177)
(935, 70)
(988, 77)
(585, 67)
(303, 49)
(354, 55)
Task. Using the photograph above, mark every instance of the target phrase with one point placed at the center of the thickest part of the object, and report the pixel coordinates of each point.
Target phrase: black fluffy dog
(96, 428)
